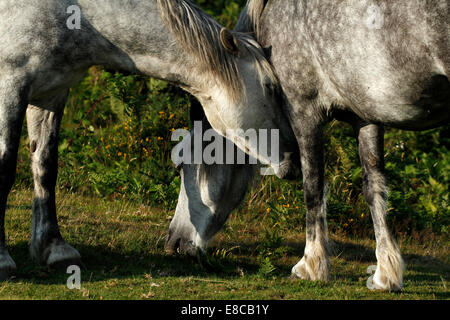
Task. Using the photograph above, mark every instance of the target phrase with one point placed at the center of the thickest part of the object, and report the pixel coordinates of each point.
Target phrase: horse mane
(199, 35)
(250, 17)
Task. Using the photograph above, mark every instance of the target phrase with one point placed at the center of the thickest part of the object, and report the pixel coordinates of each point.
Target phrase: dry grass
(122, 247)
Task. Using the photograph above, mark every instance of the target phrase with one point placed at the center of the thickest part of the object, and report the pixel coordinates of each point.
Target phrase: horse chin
(289, 169)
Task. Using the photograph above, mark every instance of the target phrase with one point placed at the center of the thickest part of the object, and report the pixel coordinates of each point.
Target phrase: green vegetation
(117, 188)
(122, 247)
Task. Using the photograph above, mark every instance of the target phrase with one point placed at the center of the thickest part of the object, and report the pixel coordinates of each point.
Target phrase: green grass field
(122, 247)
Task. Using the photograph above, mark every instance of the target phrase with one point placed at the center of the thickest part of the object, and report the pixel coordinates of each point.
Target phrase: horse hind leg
(13, 102)
(47, 245)
(389, 273)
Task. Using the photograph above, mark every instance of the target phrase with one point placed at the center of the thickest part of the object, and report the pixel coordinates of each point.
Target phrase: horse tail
(249, 19)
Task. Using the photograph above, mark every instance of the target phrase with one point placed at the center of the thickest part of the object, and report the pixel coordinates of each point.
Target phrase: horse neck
(133, 38)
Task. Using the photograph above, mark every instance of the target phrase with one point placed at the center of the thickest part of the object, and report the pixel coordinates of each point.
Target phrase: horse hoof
(374, 284)
(299, 272)
(6, 274)
(311, 268)
(7, 267)
(62, 256)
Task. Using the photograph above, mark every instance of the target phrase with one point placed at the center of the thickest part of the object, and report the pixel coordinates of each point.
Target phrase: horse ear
(229, 42)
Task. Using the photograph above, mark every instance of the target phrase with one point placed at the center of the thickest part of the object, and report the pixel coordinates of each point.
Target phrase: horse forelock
(199, 34)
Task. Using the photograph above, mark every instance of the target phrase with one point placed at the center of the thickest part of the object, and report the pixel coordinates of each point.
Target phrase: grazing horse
(369, 63)
(46, 46)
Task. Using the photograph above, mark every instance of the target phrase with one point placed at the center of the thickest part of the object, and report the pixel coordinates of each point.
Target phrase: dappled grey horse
(46, 46)
(369, 63)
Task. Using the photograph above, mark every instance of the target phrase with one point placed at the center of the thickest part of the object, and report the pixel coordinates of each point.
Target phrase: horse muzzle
(176, 244)
(289, 168)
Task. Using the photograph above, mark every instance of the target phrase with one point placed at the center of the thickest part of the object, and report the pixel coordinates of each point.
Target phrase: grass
(122, 247)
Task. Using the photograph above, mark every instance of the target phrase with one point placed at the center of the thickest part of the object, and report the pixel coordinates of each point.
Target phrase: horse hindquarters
(13, 103)
(47, 245)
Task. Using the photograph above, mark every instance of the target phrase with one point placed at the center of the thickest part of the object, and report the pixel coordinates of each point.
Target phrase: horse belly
(418, 110)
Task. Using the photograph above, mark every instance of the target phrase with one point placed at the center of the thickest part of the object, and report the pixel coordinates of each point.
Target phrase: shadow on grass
(19, 207)
(103, 263)
(421, 268)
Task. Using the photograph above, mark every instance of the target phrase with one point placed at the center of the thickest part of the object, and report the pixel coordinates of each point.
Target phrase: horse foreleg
(315, 262)
(13, 95)
(389, 272)
(47, 245)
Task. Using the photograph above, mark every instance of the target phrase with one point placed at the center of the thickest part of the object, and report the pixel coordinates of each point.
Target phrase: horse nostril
(177, 243)
(177, 247)
(172, 243)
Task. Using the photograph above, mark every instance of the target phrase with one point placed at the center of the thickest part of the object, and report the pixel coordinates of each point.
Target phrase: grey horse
(369, 63)
(46, 46)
